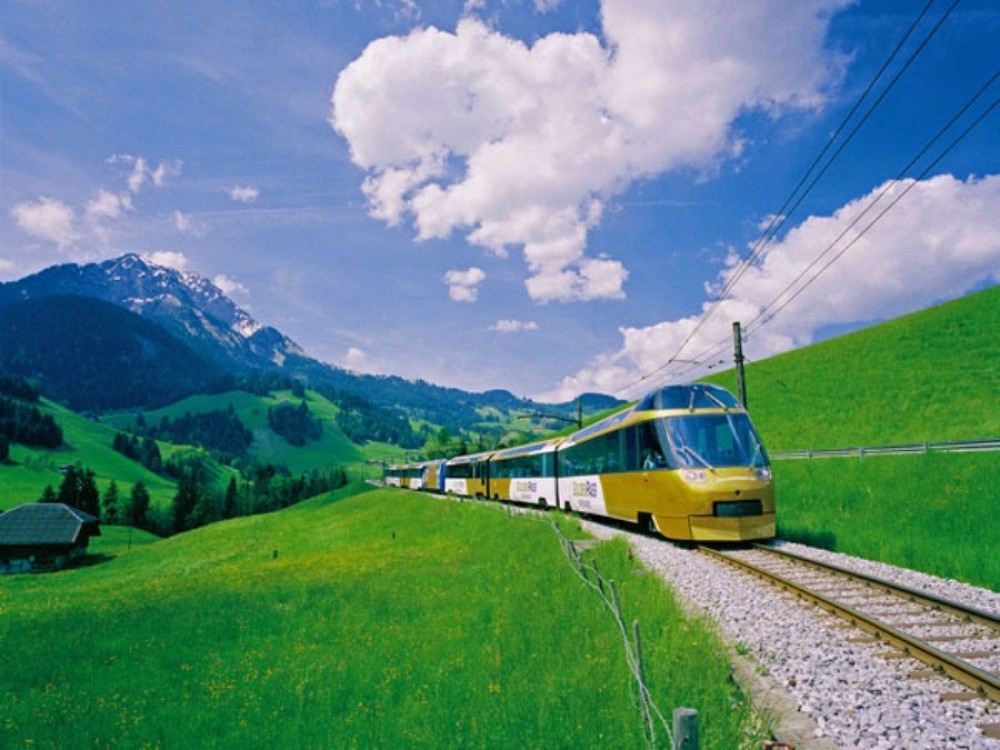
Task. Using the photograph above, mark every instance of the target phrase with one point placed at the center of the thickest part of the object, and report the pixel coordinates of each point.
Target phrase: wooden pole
(685, 729)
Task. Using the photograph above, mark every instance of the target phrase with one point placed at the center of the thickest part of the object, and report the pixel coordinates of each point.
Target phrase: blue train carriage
(525, 474)
(432, 478)
(468, 475)
(685, 461)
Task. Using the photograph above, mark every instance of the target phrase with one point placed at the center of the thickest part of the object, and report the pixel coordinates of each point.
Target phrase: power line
(781, 216)
(913, 183)
(759, 321)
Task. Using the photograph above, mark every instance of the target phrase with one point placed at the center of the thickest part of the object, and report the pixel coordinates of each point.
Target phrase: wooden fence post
(685, 729)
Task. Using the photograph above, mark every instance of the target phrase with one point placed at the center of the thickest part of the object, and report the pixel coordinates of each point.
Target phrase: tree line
(221, 431)
(295, 424)
(196, 502)
(20, 420)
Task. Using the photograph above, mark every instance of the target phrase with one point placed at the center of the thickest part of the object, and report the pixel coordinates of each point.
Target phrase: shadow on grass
(823, 539)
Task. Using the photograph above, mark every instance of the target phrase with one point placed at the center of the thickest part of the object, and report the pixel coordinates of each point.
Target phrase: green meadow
(927, 377)
(369, 618)
(87, 441)
(935, 513)
(332, 449)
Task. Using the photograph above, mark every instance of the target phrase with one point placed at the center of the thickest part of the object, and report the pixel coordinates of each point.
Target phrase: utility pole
(740, 376)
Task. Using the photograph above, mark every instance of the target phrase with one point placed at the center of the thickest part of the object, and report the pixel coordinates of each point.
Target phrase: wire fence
(958, 446)
(606, 589)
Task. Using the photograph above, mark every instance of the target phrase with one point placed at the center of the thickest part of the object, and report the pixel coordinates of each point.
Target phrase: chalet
(43, 536)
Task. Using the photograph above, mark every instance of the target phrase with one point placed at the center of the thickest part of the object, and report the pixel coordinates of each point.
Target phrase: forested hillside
(92, 355)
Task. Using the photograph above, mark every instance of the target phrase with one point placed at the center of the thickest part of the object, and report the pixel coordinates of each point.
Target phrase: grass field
(927, 377)
(382, 619)
(935, 512)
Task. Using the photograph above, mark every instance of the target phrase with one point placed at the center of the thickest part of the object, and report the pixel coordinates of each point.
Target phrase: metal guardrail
(958, 446)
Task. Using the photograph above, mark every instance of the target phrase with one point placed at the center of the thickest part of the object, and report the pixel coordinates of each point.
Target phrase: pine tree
(90, 497)
(69, 490)
(110, 503)
(207, 508)
(138, 508)
(184, 502)
(48, 495)
(229, 509)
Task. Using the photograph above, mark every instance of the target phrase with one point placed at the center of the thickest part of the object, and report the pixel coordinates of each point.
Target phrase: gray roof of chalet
(45, 523)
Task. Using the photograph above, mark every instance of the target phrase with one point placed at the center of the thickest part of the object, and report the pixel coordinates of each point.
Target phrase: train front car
(685, 461)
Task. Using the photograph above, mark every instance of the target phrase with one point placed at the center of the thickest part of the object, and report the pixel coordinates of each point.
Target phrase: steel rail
(982, 682)
(989, 619)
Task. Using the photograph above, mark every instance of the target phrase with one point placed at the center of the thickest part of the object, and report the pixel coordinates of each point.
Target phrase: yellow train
(684, 461)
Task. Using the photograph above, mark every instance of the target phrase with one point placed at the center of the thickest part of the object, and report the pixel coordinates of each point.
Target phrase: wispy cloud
(244, 193)
(142, 173)
(47, 219)
(168, 258)
(108, 205)
(514, 326)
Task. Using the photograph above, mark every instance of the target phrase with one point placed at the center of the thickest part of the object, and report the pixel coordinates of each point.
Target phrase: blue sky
(541, 196)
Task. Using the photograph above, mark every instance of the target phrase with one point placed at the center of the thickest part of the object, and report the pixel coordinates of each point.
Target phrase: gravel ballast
(854, 696)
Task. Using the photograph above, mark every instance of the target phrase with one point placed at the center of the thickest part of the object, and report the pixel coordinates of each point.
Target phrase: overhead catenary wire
(780, 217)
(764, 316)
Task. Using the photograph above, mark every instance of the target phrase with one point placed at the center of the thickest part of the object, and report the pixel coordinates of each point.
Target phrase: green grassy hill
(29, 470)
(332, 449)
(930, 376)
(382, 619)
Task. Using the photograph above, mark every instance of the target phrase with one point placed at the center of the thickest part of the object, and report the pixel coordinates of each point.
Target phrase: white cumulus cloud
(463, 286)
(108, 205)
(46, 219)
(520, 146)
(940, 241)
(244, 193)
(356, 358)
(229, 286)
(168, 258)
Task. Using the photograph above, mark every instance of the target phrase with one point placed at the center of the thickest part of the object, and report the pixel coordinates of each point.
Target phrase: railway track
(950, 638)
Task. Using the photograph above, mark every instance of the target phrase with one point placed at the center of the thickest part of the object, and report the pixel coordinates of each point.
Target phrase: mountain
(210, 326)
(190, 307)
(93, 355)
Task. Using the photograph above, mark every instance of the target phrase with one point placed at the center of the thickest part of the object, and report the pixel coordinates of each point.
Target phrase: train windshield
(706, 441)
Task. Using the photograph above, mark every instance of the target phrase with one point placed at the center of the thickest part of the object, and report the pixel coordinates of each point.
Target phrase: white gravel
(856, 699)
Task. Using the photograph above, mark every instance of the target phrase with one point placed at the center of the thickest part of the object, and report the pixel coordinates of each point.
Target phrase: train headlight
(694, 475)
(764, 473)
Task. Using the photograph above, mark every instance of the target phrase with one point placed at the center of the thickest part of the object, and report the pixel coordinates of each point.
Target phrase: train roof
(527, 449)
(482, 456)
(691, 396)
(686, 397)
